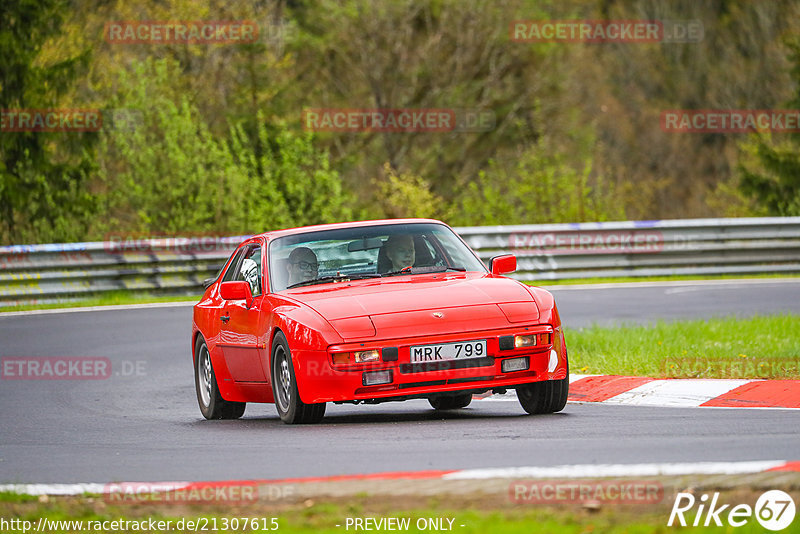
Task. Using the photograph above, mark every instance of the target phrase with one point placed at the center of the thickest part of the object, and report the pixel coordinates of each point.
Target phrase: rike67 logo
(774, 510)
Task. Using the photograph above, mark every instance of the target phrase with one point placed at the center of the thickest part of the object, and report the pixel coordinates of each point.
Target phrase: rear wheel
(544, 397)
(212, 405)
(451, 402)
(290, 408)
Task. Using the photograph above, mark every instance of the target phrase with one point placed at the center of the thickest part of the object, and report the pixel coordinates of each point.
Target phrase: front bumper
(320, 380)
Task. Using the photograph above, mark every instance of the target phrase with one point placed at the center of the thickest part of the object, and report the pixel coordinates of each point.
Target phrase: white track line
(561, 471)
(101, 308)
(618, 470)
(54, 489)
(682, 393)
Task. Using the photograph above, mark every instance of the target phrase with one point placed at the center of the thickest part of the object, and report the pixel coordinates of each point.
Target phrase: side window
(250, 269)
(230, 274)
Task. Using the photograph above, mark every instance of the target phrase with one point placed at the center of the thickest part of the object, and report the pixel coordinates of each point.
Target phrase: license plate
(462, 350)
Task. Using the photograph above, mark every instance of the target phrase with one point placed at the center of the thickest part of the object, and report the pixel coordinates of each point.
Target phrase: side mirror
(236, 291)
(507, 263)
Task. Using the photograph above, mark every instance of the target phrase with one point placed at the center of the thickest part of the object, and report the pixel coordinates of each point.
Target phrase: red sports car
(371, 312)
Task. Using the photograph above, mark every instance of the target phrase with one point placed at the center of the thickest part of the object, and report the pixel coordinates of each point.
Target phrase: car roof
(336, 226)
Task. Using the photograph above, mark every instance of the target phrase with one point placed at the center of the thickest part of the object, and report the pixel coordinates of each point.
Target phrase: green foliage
(539, 187)
(289, 182)
(165, 173)
(219, 148)
(770, 172)
(401, 195)
(769, 168)
(42, 175)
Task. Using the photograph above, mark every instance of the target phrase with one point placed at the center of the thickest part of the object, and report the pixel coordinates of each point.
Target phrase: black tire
(212, 405)
(290, 408)
(451, 402)
(544, 397)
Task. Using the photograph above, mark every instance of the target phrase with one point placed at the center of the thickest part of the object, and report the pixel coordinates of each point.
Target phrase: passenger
(302, 265)
(400, 251)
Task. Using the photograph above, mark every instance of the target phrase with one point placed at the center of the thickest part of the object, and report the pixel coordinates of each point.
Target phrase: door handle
(225, 318)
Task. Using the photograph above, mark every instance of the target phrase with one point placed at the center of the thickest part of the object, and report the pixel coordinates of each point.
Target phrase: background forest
(208, 138)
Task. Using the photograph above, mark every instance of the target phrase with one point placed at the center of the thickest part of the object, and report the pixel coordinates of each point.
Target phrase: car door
(239, 332)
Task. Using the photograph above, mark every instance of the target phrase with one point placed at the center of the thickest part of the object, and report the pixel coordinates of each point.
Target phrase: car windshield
(367, 252)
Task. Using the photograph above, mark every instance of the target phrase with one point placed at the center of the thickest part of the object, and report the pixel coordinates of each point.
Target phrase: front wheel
(212, 405)
(544, 397)
(291, 408)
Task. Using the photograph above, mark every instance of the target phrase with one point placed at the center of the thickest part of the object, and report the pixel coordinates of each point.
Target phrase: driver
(302, 265)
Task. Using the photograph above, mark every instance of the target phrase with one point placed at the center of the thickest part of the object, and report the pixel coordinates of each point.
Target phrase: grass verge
(676, 278)
(450, 513)
(114, 298)
(758, 347)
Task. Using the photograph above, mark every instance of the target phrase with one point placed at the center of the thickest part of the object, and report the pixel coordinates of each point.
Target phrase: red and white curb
(679, 392)
(558, 472)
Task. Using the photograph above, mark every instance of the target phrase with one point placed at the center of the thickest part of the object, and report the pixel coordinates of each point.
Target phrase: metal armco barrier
(54, 273)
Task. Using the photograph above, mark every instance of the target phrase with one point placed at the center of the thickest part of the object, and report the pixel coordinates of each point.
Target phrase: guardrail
(63, 272)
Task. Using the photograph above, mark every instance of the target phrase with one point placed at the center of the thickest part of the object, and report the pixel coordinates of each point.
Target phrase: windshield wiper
(425, 270)
(443, 269)
(334, 278)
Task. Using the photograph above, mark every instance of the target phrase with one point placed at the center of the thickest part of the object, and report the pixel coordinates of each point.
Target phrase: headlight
(365, 356)
(528, 340)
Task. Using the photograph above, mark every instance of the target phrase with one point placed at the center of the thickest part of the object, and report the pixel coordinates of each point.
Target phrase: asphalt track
(143, 424)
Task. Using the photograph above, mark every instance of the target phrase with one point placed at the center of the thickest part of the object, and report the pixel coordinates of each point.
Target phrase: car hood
(420, 304)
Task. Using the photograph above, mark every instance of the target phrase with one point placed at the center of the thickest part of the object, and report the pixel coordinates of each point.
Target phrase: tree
(168, 174)
(770, 168)
(42, 175)
(164, 172)
(539, 185)
(289, 181)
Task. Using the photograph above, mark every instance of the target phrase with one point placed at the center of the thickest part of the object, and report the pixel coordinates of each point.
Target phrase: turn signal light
(341, 358)
(544, 339)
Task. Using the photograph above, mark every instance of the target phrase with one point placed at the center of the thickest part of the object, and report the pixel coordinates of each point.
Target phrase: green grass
(676, 278)
(759, 347)
(113, 298)
(312, 517)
